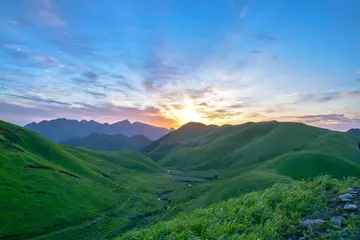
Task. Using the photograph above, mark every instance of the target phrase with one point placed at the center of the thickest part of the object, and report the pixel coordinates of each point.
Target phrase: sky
(169, 62)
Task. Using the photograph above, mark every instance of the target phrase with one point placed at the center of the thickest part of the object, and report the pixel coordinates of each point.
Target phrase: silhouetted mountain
(62, 129)
(354, 131)
(110, 142)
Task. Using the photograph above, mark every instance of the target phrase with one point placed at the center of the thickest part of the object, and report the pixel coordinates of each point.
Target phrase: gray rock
(346, 197)
(349, 206)
(308, 222)
(302, 238)
(337, 220)
(336, 227)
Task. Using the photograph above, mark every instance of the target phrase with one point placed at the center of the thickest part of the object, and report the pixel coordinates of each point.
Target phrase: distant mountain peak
(62, 129)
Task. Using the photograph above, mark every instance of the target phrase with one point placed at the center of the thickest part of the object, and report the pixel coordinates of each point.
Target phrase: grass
(274, 213)
(247, 145)
(56, 192)
(46, 188)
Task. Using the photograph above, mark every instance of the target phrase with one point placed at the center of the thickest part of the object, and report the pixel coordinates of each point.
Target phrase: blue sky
(167, 62)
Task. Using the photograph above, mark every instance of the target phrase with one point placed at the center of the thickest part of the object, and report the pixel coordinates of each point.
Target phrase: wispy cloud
(37, 99)
(243, 13)
(47, 14)
(326, 96)
(97, 95)
(266, 38)
(339, 121)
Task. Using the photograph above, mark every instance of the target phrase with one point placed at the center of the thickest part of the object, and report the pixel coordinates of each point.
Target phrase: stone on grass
(308, 222)
(336, 226)
(349, 206)
(346, 197)
(337, 220)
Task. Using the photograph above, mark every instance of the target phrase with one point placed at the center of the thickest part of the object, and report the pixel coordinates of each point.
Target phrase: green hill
(109, 142)
(247, 145)
(55, 192)
(47, 190)
(274, 213)
(304, 165)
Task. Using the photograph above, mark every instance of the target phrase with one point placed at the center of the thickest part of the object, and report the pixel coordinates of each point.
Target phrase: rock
(343, 233)
(302, 238)
(337, 220)
(308, 222)
(350, 189)
(336, 226)
(346, 197)
(349, 206)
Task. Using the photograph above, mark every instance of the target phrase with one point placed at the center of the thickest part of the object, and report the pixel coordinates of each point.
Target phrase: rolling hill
(51, 191)
(62, 129)
(48, 190)
(109, 142)
(354, 131)
(247, 145)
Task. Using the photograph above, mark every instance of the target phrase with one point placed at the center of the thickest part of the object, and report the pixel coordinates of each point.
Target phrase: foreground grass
(273, 213)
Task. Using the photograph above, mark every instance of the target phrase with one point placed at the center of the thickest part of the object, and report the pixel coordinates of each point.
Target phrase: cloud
(326, 96)
(90, 75)
(45, 12)
(266, 38)
(332, 121)
(238, 105)
(243, 13)
(46, 59)
(97, 95)
(36, 99)
(87, 77)
(212, 114)
(118, 76)
(256, 52)
(358, 72)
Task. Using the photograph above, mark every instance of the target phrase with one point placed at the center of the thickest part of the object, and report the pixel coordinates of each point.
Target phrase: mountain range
(52, 191)
(62, 129)
(109, 142)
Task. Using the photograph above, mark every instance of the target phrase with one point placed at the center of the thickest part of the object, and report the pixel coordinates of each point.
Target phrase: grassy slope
(274, 213)
(251, 144)
(117, 191)
(303, 165)
(110, 142)
(45, 187)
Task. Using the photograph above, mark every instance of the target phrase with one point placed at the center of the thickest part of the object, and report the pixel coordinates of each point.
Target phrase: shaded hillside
(354, 132)
(246, 145)
(62, 129)
(109, 142)
(45, 187)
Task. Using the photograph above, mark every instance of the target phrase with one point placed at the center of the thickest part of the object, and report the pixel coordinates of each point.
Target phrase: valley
(52, 191)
